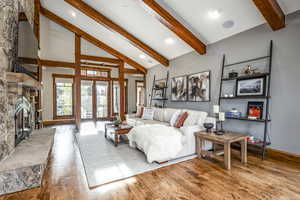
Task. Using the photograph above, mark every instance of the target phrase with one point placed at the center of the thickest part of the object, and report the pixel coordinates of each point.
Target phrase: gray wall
(284, 128)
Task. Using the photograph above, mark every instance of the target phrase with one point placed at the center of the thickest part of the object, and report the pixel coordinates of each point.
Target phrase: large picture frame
(199, 87)
(179, 88)
(251, 86)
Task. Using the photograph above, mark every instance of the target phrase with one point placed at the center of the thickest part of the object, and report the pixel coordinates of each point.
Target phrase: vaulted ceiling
(210, 21)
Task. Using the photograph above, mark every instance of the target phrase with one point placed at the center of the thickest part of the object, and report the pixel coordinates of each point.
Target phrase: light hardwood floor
(195, 179)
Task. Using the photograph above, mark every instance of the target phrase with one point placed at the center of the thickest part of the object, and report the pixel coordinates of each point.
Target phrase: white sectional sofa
(192, 124)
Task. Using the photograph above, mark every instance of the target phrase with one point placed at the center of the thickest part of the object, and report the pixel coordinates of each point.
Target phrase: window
(140, 93)
(92, 73)
(63, 95)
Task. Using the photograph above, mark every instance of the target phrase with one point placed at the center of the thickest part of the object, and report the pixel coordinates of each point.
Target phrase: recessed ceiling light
(73, 14)
(142, 56)
(228, 24)
(214, 14)
(169, 41)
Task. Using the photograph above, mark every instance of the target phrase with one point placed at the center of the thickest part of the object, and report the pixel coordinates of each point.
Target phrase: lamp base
(220, 132)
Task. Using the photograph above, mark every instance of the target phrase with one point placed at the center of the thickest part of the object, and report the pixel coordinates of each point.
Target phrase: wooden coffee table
(116, 130)
(225, 140)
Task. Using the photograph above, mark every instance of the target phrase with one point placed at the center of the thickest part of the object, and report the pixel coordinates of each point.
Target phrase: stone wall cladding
(8, 57)
(21, 179)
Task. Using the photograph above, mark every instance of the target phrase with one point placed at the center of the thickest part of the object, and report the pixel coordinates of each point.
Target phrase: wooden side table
(225, 140)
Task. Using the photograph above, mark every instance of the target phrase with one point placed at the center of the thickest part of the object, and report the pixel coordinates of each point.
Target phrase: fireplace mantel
(23, 79)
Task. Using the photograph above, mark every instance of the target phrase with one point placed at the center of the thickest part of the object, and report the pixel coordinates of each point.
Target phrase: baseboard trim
(57, 122)
(282, 155)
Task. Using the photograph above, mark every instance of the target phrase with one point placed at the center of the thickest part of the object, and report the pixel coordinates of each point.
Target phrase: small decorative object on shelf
(253, 140)
(249, 70)
(228, 95)
(233, 74)
(161, 84)
(234, 113)
(255, 110)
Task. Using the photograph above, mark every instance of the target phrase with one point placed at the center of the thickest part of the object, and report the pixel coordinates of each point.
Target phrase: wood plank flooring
(195, 179)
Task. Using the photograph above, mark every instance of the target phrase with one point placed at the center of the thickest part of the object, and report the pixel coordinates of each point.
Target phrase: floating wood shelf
(23, 79)
(157, 99)
(159, 88)
(247, 97)
(247, 119)
(245, 77)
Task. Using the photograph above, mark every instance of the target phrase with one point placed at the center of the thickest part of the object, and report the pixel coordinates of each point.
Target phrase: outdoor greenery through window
(64, 99)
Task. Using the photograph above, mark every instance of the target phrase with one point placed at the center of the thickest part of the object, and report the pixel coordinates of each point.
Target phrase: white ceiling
(192, 13)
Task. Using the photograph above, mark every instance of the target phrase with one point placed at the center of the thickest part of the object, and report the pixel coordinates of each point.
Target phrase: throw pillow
(148, 114)
(140, 113)
(174, 118)
(181, 119)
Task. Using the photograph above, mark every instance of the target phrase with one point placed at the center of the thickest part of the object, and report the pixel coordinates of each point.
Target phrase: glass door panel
(116, 97)
(86, 99)
(101, 99)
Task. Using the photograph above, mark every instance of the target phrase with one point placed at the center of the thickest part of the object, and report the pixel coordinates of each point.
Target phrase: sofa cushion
(158, 114)
(181, 119)
(148, 114)
(168, 113)
(195, 118)
(174, 118)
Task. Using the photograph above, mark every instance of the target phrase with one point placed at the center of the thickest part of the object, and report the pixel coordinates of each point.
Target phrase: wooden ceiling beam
(51, 63)
(100, 59)
(110, 25)
(29, 61)
(91, 39)
(272, 12)
(174, 25)
(99, 64)
(132, 71)
(95, 68)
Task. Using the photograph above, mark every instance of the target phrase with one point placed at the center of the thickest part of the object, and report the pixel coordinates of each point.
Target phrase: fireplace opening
(23, 125)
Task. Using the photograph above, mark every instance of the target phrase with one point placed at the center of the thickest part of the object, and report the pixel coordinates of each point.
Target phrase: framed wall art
(179, 88)
(251, 87)
(199, 87)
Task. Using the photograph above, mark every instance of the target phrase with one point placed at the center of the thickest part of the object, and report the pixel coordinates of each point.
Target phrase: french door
(102, 97)
(94, 99)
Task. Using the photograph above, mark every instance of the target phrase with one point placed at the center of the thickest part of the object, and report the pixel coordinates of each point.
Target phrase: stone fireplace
(11, 91)
(23, 121)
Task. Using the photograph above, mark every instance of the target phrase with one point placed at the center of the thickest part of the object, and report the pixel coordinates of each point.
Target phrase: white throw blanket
(159, 142)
